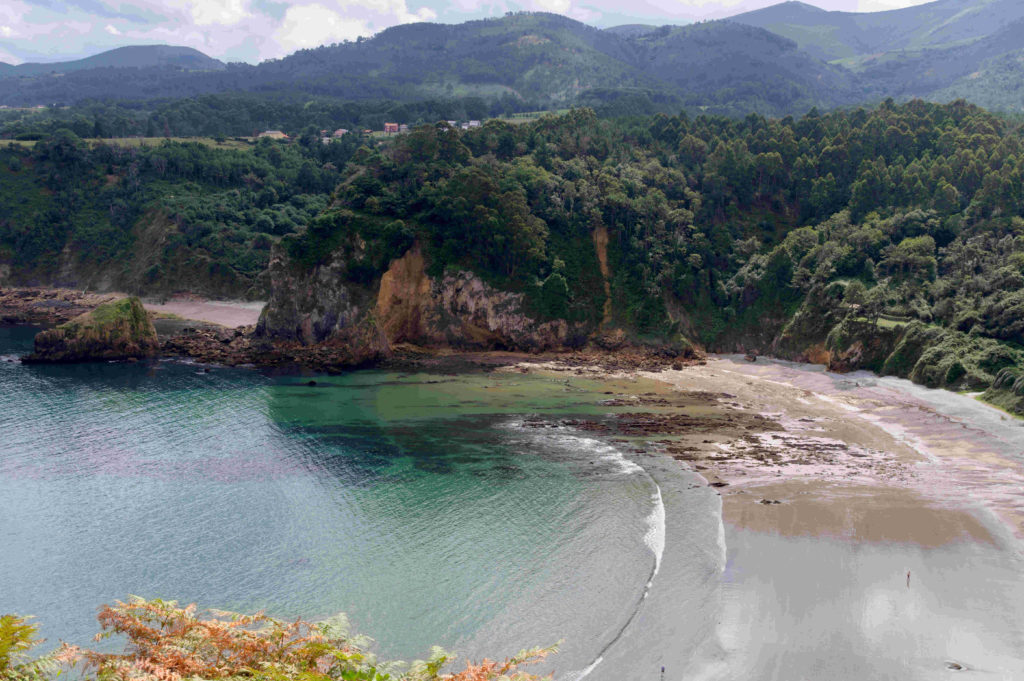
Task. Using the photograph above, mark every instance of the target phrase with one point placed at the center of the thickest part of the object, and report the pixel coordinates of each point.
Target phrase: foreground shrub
(18, 636)
(171, 643)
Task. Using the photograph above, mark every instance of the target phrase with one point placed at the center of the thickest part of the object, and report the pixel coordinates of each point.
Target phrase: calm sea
(419, 504)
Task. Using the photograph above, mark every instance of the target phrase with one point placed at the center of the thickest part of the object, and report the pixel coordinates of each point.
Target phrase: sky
(255, 30)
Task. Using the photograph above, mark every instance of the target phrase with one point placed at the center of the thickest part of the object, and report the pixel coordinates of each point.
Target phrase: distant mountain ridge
(842, 35)
(779, 60)
(937, 49)
(536, 57)
(131, 56)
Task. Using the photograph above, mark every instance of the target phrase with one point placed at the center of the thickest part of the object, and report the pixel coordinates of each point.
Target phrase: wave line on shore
(654, 538)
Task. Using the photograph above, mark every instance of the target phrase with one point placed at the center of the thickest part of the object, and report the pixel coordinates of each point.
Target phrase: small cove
(461, 508)
(419, 504)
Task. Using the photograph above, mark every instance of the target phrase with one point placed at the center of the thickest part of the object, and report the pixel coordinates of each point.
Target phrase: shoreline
(730, 428)
(853, 510)
(776, 431)
(222, 332)
(827, 494)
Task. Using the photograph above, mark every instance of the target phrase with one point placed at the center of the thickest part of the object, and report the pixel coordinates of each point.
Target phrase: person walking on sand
(908, 579)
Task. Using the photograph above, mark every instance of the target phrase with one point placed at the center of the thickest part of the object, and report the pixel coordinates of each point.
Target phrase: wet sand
(820, 607)
(866, 482)
(833, 488)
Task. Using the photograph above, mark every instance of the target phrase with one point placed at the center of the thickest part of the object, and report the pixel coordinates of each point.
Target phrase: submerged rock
(117, 330)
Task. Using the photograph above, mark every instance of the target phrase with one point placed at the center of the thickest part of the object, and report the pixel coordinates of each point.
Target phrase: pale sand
(224, 313)
(873, 436)
(875, 478)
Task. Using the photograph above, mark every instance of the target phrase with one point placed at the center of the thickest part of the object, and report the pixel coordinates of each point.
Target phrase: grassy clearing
(888, 323)
(531, 116)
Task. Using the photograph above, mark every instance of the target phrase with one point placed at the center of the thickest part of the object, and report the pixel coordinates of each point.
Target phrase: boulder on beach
(117, 330)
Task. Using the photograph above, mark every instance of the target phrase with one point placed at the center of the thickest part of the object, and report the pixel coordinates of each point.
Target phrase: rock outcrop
(460, 310)
(325, 307)
(315, 305)
(112, 331)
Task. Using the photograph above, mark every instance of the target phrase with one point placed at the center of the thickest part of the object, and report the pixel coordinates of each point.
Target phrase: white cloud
(556, 6)
(8, 58)
(882, 5)
(111, 29)
(338, 20)
(396, 10)
(313, 25)
(223, 12)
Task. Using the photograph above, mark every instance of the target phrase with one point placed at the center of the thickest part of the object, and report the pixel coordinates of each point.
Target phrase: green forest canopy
(723, 229)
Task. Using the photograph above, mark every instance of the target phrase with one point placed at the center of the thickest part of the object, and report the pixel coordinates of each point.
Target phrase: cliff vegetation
(890, 238)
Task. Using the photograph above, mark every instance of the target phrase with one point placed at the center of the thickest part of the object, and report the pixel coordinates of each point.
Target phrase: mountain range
(779, 60)
(132, 56)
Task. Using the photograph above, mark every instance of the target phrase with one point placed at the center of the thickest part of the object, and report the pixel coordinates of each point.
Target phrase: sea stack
(117, 330)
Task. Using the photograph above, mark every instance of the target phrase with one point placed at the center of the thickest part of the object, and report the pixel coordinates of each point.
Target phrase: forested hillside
(890, 239)
(176, 217)
(545, 59)
(778, 61)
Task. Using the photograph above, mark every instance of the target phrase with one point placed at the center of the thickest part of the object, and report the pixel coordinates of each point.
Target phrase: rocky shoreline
(48, 306)
(362, 346)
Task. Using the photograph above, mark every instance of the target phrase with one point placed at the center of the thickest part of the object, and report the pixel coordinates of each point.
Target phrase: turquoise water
(421, 505)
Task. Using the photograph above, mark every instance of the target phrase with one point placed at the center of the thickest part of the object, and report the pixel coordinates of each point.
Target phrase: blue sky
(254, 30)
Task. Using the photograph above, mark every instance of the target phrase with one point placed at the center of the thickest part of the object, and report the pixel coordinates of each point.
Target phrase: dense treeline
(727, 230)
(164, 218)
(245, 115)
(901, 224)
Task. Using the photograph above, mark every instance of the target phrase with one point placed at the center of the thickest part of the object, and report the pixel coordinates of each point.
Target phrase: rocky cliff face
(323, 307)
(459, 310)
(313, 306)
(116, 330)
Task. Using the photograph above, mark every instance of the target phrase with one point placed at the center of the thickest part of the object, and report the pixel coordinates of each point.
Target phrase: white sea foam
(581, 674)
(654, 538)
(571, 439)
(655, 535)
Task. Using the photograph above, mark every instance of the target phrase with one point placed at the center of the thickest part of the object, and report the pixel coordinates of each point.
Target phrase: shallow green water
(418, 504)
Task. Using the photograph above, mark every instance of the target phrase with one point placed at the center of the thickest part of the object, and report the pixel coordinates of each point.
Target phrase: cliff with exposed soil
(325, 306)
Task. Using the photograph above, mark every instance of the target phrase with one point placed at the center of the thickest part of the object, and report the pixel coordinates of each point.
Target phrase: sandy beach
(231, 314)
(52, 306)
(872, 528)
(878, 525)
(858, 436)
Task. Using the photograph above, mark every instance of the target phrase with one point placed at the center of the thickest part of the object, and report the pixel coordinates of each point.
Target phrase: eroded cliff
(326, 305)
